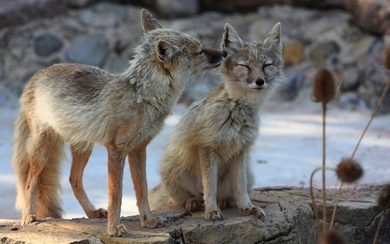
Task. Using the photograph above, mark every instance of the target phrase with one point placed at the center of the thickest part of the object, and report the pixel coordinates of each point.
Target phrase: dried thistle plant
(333, 237)
(323, 91)
(312, 199)
(383, 202)
(348, 171)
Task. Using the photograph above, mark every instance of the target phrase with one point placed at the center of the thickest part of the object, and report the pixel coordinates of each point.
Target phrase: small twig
(335, 206)
(373, 115)
(323, 165)
(380, 223)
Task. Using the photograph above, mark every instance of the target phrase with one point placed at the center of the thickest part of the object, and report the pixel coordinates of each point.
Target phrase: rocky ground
(289, 220)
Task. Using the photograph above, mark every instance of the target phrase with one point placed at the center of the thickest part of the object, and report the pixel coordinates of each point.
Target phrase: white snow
(288, 149)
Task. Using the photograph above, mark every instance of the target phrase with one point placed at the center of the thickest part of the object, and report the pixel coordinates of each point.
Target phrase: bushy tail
(48, 188)
(158, 198)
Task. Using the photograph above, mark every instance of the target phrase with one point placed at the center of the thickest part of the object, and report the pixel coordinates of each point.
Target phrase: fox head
(255, 66)
(177, 52)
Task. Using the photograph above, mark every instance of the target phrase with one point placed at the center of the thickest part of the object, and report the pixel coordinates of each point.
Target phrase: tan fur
(82, 105)
(208, 158)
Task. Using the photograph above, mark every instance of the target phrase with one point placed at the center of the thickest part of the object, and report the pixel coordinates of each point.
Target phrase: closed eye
(243, 65)
(267, 65)
(201, 51)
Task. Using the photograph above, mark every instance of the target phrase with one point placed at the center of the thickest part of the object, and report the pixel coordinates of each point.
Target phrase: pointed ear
(273, 38)
(148, 22)
(166, 51)
(230, 39)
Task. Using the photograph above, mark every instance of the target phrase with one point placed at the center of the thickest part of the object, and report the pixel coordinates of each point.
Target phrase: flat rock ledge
(290, 219)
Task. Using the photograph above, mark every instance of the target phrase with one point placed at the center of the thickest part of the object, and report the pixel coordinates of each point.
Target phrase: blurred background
(348, 37)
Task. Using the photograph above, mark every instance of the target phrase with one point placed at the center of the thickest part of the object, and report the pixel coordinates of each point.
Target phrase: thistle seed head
(333, 236)
(348, 170)
(324, 87)
(384, 197)
(386, 59)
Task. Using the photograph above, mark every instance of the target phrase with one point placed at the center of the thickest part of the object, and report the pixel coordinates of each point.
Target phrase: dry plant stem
(312, 199)
(335, 206)
(373, 115)
(380, 223)
(323, 166)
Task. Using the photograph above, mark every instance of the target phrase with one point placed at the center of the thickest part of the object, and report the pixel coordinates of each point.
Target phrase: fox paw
(155, 222)
(193, 205)
(100, 213)
(256, 211)
(214, 215)
(119, 231)
(28, 219)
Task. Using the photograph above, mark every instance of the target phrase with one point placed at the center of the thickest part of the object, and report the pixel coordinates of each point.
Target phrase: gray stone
(375, 78)
(371, 15)
(350, 78)
(322, 54)
(47, 44)
(116, 64)
(290, 88)
(177, 8)
(89, 49)
(81, 3)
(2, 69)
(349, 100)
(22, 12)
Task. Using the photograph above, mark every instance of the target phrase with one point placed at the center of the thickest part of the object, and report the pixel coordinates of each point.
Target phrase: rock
(290, 219)
(371, 15)
(293, 53)
(350, 78)
(116, 64)
(103, 14)
(21, 12)
(47, 44)
(375, 78)
(323, 53)
(2, 69)
(89, 49)
(290, 88)
(128, 40)
(81, 3)
(349, 100)
(251, 6)
(177, 8)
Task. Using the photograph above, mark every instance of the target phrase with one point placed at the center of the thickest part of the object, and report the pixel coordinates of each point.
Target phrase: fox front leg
(239, 179)
(209, 167)
(116, 163)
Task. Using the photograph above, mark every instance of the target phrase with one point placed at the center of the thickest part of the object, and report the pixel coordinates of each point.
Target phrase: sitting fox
(82, 105)
(207, 163)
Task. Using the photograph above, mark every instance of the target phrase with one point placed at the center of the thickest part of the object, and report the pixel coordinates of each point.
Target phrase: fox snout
(258, 84)
(214, 56)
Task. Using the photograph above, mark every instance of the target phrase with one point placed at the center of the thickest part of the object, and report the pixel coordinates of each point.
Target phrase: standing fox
(82, 105)
(208, 154)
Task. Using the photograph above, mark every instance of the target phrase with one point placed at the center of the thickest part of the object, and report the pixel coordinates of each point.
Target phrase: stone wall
(104, 34)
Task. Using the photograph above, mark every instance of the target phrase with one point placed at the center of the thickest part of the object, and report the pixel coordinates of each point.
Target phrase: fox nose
(259, 82)
(224, 54)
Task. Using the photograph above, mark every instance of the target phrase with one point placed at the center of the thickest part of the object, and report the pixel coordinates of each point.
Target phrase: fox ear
(273, 38)
(148, 22)
(230, 39)
(166, 51)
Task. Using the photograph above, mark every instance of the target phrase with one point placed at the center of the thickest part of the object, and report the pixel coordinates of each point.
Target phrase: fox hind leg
(40, 153)
(80, 156)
